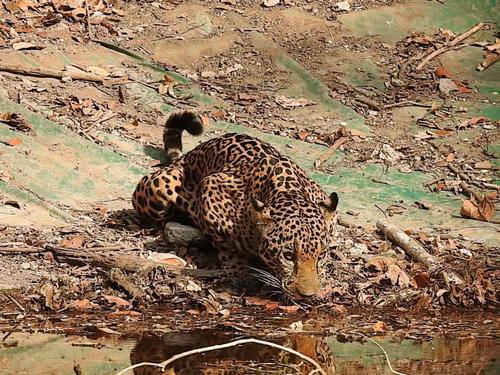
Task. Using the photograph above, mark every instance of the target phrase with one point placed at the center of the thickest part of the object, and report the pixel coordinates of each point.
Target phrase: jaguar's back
(248, 199)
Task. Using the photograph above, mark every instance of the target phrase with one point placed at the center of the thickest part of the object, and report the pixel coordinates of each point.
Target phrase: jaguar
(249, 200)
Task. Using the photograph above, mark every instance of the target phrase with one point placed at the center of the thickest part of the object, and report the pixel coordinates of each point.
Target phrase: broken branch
(329, 153)
(414, 249)
(50, 73)
(453, 43)
(124, 262)
(489, 60)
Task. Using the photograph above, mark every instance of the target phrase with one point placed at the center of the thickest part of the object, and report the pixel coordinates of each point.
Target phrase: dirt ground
(343, 92)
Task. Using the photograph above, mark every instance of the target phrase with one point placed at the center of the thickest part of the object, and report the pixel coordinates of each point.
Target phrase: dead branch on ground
(449, 46)
(50, 73)
(415, 250)
(124, 262)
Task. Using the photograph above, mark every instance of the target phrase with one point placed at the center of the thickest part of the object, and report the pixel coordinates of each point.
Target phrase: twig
(453, 43)
(106, 118)
(50, 73)
(460, 174)
(78, 370)
(407, 103)
(369, 102)
(329, 153)
(429, 184)
(21, 307)
(182, 32)
(87, 16)
(381, 210)
(20, 250)
(164, 364)
(486, 185)
(468, 190)
(385, 353)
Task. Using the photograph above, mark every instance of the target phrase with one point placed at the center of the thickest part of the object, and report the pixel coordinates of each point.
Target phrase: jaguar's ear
(330, 204)
(261, 215)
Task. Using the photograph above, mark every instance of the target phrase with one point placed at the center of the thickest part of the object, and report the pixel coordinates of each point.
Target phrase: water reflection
(444, 355)
(243, 359)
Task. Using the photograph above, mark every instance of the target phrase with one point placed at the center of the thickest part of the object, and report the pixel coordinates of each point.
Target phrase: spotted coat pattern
(248, 200)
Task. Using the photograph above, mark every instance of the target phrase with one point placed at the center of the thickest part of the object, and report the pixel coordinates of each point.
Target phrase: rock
(446, 86)
(270, 3)
(387, 153)
(342, 6)
(25, 266)
(176, 234)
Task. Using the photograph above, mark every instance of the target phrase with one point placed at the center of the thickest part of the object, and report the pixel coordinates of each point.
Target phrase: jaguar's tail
(172, 135)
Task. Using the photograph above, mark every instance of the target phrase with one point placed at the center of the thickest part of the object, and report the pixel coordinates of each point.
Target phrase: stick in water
(164, 364)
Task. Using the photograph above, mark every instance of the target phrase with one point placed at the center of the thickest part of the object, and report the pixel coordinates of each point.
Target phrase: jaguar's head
(294, 236)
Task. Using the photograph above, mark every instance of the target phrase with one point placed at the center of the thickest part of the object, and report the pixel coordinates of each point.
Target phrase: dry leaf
(422, 280)
(15, 141)
(440, 132)
(393, 273)
(218, 114)
(117, 301)
(168, 258)
(225, 313)
(472, 122)
(290, 309)
(97, 70)
(82, 304)
(380, 263)
(74, 242)
(12, 203)
(248, 97)
(212, 307)
(16, 121)
(5, 175)
(395, 209)
(47, 290)
(442, 72)
(208, 74)
(483, 165)
(256, 301)
(380, 327)
(484, 211)
(303, 134)
(205, 120)
(125, 312)
(163, 89)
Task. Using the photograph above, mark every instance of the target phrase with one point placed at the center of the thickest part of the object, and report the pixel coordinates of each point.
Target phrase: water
(54, 354)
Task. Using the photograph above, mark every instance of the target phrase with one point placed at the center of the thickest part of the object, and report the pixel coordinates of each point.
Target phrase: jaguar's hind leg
(159, 194)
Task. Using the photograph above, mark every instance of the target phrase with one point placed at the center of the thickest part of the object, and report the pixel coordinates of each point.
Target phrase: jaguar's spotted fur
(248, 199)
